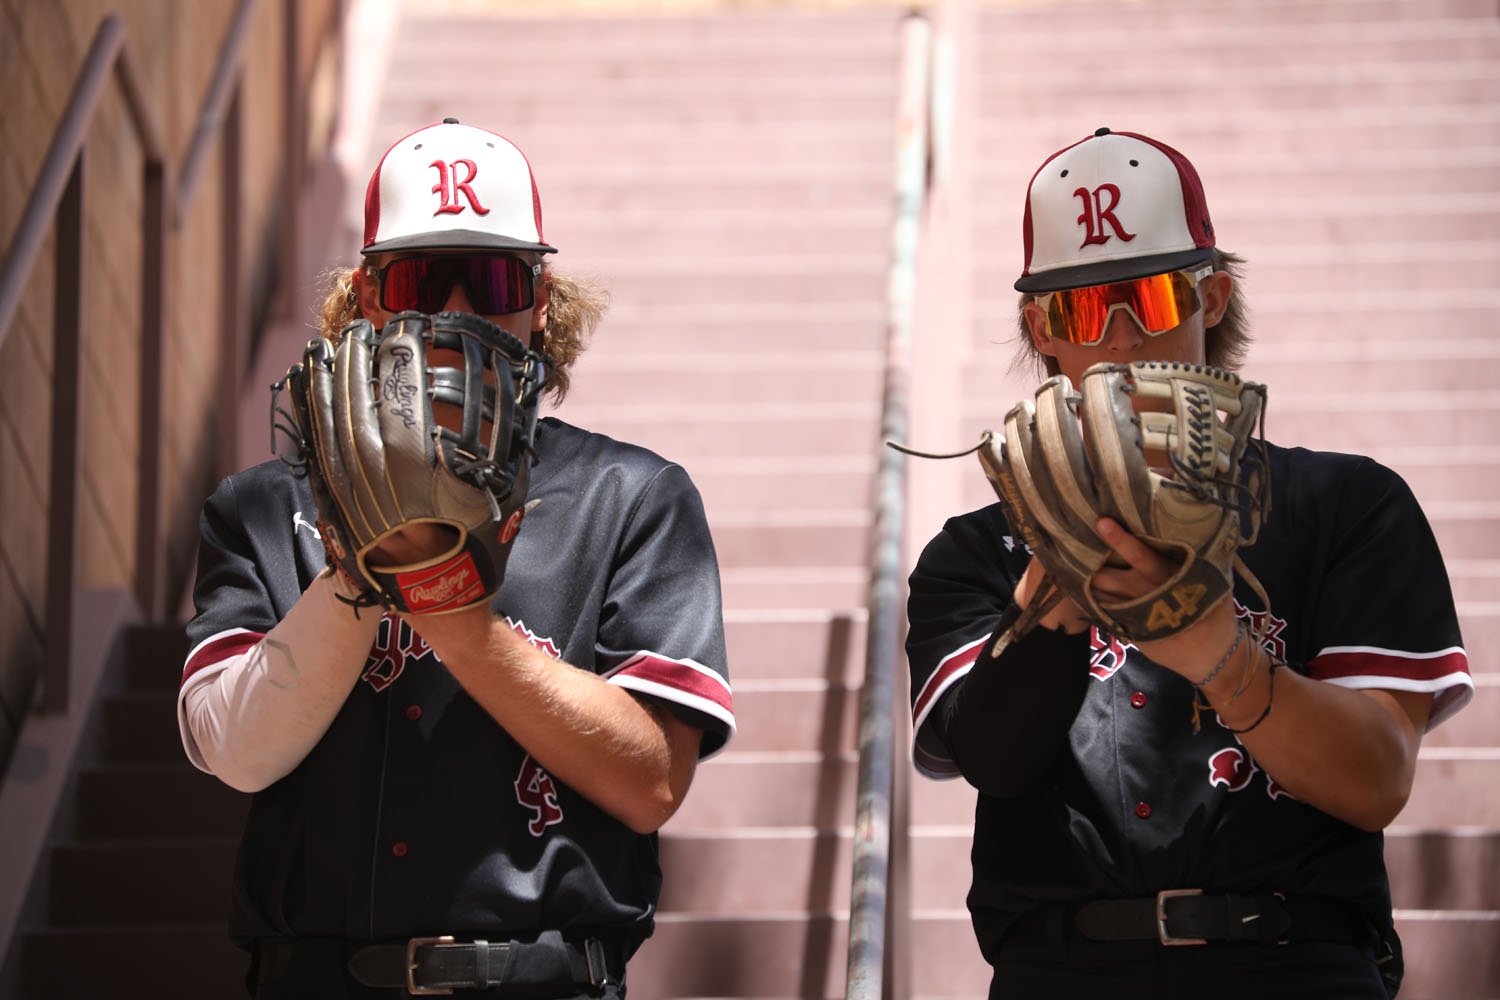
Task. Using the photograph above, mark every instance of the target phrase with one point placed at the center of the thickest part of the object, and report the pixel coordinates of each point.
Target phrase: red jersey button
(1143, 809)
(414, 712)
(399, 848)
(1138, 700)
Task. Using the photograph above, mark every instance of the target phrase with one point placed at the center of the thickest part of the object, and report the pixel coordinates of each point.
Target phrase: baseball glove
(378, 461)
(1075, 456)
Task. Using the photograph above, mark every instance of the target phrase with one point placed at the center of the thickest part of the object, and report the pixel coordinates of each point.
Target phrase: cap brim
(456, 239)
(1109, 271)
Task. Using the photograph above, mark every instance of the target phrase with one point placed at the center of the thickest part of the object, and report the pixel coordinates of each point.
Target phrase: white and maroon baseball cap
(1112, 207)
(453, 187)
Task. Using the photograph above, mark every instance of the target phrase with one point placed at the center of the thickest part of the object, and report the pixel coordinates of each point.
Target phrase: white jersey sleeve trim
(1450, 693)
(685, 682)
(949, 669)
(251, 715)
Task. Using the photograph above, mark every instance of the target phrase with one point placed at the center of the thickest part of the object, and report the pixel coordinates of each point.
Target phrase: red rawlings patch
(446, 585)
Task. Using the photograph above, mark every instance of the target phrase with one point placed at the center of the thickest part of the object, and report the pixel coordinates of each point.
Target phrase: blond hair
(573, 312)
(1224, 344)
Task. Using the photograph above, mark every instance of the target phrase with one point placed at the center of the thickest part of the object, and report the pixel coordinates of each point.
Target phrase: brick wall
(173, 47)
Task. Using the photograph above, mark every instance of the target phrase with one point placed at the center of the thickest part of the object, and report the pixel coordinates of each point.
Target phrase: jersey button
(1138, 700)
(399, 847)
(1143, 810)
(414, 712)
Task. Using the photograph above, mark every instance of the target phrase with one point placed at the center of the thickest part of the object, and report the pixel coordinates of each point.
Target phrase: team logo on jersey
(1231, 767)
(1096, 215)
(1106, 654)
(535, 791)
(1234, 769)
(1274, 643)
(395, 643)
(540, 642)
(298, 521)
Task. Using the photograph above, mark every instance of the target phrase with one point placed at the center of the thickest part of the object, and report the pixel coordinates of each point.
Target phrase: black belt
(1188, 917)
(436, 966)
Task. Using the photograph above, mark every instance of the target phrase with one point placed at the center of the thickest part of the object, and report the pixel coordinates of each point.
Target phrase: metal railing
(59, 196)
(871, 914)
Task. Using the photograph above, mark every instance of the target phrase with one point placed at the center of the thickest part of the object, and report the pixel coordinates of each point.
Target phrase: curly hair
(573, 312)
(1225, 343)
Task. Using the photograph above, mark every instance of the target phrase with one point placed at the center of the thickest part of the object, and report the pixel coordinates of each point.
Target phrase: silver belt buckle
(593, 954)
(411, 966)
(1161, 916)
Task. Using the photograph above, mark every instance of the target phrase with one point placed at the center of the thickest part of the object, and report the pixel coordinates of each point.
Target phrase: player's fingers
(1144, 561)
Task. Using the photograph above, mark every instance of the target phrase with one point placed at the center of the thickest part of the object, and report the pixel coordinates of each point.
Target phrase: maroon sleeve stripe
(949, 669)
(684, 682)
(217, 648)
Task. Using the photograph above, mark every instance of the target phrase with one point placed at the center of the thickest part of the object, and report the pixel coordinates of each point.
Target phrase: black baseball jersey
(1133, 801)
(417, 814)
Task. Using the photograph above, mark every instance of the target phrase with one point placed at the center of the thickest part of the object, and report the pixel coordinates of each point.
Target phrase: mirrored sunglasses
(496, 283)
(1157, 304)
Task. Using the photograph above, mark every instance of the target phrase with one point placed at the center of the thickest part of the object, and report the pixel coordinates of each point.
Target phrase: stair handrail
(59, 194)
(871, 914)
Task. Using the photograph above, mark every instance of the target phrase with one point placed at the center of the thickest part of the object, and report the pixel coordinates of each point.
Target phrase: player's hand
(413, 543)
(1065, 614)
(1192, 652)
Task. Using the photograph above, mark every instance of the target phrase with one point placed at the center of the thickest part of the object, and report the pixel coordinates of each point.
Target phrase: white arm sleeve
(251, 718)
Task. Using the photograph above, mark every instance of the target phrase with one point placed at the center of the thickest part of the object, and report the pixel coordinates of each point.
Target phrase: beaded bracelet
(1239, 633)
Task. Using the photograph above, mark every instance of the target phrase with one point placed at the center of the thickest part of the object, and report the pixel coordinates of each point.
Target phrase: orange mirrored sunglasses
(1157, 303)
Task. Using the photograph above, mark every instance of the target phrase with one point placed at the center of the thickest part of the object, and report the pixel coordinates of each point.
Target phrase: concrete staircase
(1351, 151)
(727, 175)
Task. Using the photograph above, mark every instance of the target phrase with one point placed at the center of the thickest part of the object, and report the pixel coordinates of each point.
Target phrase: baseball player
(1222, 790)
(463, 802)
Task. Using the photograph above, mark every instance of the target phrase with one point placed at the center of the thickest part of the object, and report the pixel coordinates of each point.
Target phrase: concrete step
(1354, 17)
(818, 483)
(661, 324)
(661, 35)
(1472, 84)
(814, 542)
(1448, 956)
(800, 869)
(781, 955)
(154, 656)
(131, 882)
(796, 644)
(156, 801)
(1443, 869)
(1196, 126)
(1454, 786)
(475, 105)
(749, 377)
(839, 431)
(1245, 48)
(796, 714)
(775, 588)
(175, 961)
(140, 727)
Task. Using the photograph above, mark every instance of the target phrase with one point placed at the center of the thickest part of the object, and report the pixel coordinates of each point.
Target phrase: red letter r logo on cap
(1095, 215)
(445, 188)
